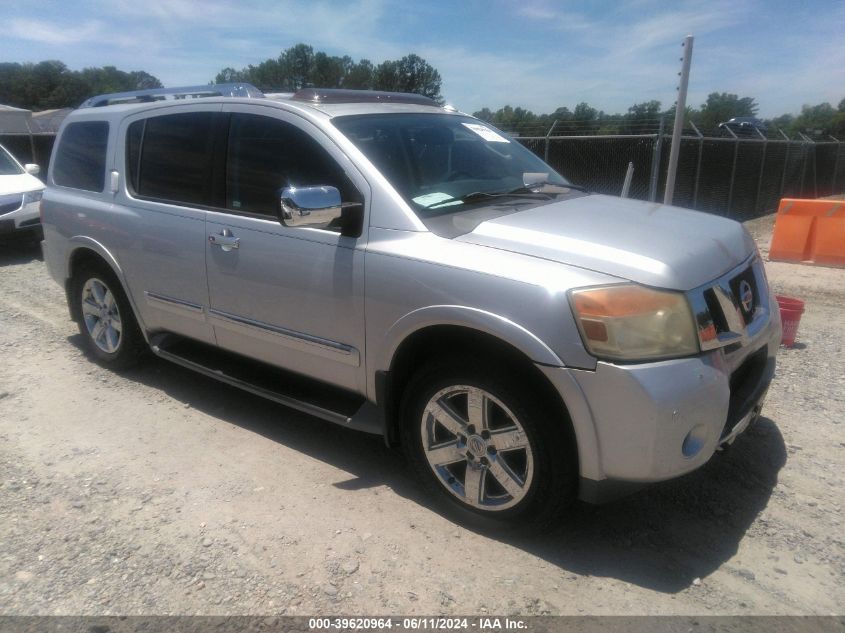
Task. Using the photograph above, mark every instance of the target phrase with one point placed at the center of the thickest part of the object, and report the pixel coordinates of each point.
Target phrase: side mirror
(315, 207)
(320, 207)
(32, 168)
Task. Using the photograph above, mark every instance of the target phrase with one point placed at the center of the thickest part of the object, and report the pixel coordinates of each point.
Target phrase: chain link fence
(741, 178)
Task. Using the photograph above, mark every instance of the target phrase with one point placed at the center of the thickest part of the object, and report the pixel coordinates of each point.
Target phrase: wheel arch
(432, 340)
(86, 251)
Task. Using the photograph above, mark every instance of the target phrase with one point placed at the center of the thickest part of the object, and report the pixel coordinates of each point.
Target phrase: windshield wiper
(486, 195)
(543, 185)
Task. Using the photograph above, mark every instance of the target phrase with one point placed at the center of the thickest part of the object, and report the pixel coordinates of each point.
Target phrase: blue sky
(538, 54)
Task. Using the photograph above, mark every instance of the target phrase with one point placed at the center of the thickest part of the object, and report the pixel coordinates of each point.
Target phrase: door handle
(225, 240)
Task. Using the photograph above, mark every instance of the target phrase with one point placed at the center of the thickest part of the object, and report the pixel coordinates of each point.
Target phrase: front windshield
(8, 165)
(442, 163)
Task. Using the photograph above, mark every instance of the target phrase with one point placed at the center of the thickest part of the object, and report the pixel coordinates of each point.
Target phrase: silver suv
(401, 268)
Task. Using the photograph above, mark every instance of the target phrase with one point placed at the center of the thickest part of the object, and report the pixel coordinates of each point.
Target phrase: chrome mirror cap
(315, 207)
(32, 169)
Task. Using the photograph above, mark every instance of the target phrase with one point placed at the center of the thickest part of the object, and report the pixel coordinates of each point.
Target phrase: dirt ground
(159, 491)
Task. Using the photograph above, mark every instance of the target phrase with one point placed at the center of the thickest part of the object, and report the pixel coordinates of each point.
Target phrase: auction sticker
(486, 133)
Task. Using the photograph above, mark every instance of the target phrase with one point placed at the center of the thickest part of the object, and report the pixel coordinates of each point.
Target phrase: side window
(134, 136)
(173, 153)
(265, 155)
(81, 156)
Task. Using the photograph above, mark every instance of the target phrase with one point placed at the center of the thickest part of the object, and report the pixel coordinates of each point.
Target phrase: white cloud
(49, 33)
(537, 54)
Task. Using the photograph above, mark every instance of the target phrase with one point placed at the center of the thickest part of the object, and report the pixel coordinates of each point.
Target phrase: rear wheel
(106, 321)
(489, 449)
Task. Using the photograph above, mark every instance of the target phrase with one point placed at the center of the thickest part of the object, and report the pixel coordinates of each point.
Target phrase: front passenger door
(292, 297)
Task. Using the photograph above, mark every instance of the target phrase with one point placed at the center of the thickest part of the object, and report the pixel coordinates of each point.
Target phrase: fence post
(804, 156)
(655, 161)
(626, 184)
(733, 172)
(678, 127)
(697, 165)
(762, 169)
(835, 165)
(785, 164)
(548, 134)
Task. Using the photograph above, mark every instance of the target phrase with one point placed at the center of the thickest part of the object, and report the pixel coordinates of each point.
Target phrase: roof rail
(341, 95)
(161, 94)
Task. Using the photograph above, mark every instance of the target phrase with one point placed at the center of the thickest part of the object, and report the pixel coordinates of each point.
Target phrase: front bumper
(648, 422)
(22, 221)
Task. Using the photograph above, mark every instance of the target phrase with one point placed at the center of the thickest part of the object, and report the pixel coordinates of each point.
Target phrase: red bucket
(790, 315)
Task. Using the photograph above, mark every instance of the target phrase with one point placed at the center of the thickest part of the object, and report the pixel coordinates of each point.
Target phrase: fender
(82, 241)
(549, 363)
(473, 318)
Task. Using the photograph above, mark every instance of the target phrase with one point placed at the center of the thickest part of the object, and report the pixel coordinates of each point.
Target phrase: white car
(20, 194)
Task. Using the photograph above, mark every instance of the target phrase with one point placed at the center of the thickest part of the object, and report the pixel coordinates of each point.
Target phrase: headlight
(630, 322)
(32, 196)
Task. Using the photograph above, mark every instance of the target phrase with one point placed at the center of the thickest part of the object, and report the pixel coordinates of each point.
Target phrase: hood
(645, 242)
(19, 183)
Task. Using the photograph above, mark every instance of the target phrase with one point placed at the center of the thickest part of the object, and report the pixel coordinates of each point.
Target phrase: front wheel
(488, 448)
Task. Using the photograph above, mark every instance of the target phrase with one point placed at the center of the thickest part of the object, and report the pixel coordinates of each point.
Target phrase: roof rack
(162, 94)
(341, 95)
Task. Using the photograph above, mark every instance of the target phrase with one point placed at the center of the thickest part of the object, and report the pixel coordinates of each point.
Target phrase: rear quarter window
(81, 156)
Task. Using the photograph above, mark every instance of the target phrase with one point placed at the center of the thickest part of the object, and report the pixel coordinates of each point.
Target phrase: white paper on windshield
(486, 133)
(430, 199)
(534, 178)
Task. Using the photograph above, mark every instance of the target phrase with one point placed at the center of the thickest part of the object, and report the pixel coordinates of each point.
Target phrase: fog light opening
(694, 441)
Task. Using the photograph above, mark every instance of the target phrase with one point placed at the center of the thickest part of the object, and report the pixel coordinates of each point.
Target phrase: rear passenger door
(169, 176)
(292, 297)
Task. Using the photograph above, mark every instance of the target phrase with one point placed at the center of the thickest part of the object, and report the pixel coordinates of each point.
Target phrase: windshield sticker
(430, 199)
(486, 133)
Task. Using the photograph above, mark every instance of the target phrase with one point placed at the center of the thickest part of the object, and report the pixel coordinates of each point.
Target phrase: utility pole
(680, 111)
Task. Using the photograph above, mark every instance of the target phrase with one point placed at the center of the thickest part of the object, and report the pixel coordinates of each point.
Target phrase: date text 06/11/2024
(481, 624)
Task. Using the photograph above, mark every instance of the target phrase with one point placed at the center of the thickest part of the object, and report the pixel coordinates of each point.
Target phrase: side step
(287, 388)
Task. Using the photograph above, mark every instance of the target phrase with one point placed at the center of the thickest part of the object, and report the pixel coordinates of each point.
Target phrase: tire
(521, 463)
(106, 322)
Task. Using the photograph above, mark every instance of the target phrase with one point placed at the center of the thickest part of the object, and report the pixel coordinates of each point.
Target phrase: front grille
(10, 202)
(730, 309)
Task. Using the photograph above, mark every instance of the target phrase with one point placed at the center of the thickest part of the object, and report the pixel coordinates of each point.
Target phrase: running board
(308, 396)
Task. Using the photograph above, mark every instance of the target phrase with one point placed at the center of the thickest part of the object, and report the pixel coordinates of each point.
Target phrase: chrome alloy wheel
(101, 315)
(477, 448)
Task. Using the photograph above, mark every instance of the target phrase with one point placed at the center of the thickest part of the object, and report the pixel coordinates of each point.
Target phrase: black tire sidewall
(554, 483)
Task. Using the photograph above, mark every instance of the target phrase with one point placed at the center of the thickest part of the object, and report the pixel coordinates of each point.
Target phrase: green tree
(817, 120)
(51, 84)
(297, 64)
(110, 79)
(329, 72)
(360, 75)
(300, 66)
(229, 75)
(409, 74)
(642, 118)
(484, 114)
(722, 106)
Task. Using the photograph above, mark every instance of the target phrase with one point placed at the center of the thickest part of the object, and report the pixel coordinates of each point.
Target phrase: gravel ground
(159, 491)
